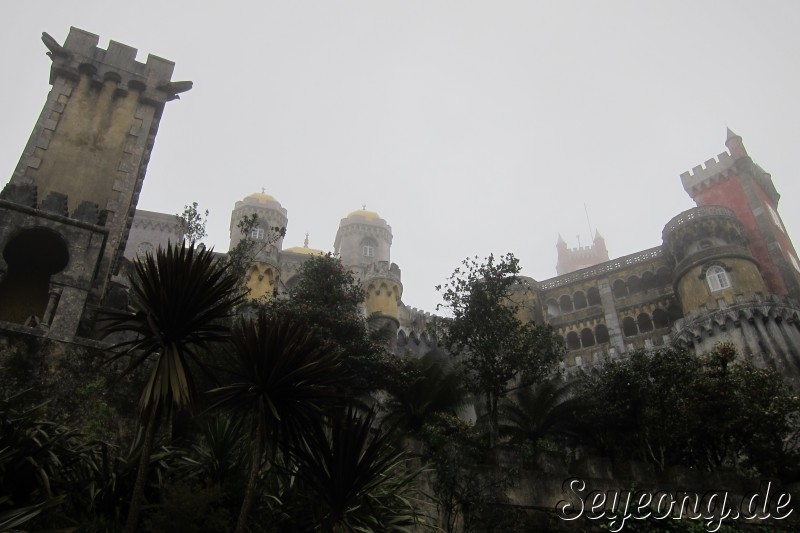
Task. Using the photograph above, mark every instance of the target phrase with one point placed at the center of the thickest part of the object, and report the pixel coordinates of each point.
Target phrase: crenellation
(713, 168)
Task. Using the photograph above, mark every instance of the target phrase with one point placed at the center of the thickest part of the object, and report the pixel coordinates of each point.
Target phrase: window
(775, 218)
(257, 233)
(368, 250)
(717, 278)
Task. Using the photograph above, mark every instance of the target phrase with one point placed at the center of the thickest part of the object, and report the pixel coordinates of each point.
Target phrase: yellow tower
(266, 239)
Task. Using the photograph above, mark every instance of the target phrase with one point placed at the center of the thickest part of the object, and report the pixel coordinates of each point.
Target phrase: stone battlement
(80, 55)
(702, 173)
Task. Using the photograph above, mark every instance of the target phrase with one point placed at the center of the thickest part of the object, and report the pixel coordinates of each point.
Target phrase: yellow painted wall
(91, 135)
(694, 292)
(382, 297)
(261, 280)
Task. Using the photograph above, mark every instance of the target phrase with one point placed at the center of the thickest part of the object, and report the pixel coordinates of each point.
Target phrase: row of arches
(403, 338)
(567, 303)
(635, 284)
(631, 326)
(586, 338)
(645, 323)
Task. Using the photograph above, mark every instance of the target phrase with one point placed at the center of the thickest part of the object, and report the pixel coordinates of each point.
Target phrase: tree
(283, 382)
(328, 299)
(434, 385)
(350, 478)
(500, 353)
(180, 298)
(193, 223)
(702, 411)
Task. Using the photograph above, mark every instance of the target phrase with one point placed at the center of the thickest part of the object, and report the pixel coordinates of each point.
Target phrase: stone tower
(735, 181)
(363, 243)
(69, 205)
(263, 274)
(572, 259)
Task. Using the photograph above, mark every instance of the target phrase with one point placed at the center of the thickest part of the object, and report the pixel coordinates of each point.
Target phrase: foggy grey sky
(471, 127)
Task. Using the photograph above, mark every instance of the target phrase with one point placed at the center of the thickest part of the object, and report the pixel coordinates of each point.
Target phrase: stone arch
(33, 256)
(593, 296)
(629, 328)
(648, 280)
(413, 338)
(663, 276)
(573, 341)
(579, 300)
(587, 337)
(565, 303)
(660, 318)
(644, 322)
(620, 288)
(553, 309)
(402, 338)
(635, 285)
(601, 334)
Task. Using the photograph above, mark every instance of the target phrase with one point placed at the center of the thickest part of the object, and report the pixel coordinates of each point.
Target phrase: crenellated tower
(572, 259)
(736, 182)
(73, 194)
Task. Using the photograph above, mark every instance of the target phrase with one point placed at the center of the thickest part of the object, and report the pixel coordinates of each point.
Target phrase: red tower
(736, 182)
(572, 259)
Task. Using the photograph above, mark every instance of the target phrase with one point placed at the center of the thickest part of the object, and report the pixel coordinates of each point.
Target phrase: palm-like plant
(535, 412)
(180, 298)
(436, 387)
(350, 478)
(285, 380)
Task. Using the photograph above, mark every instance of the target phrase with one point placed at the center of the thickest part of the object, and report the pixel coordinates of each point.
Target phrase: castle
(725, 270)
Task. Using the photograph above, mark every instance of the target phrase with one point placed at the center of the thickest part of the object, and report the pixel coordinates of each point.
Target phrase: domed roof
(304, 250)
(262, 198)
(369, 215)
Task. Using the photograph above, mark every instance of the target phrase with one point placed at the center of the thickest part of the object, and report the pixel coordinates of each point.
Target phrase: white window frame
(257, 234)
(368, 250)
(717, 278)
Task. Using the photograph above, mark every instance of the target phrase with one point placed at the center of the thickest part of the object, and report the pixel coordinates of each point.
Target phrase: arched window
(580, 300)
(573, 341)
(660, 318)
(566, 303)
(587, 337)
(368, 247)
(645, 323)
(257, 234)
(620, 289)
(648, 280)
(601, 333)
(552, 308)
(717, 278)
(629, 327)
(593, 296)
(634, 284)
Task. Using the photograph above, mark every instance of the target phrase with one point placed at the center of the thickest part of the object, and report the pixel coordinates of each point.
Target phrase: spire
(561, 243)
(735, 145)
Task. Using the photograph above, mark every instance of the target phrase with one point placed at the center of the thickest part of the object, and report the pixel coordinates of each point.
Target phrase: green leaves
(180, 300)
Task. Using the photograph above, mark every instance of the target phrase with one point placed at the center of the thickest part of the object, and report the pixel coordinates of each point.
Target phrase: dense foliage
(499, 351)
(710, 411)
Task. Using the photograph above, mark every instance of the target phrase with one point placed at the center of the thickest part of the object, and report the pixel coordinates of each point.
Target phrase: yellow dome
(262, 198)
(304, 250)
(369, 215)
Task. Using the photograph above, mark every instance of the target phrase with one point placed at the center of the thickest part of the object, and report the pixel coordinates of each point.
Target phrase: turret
(736, 182)
(81, 172)
(263, 273)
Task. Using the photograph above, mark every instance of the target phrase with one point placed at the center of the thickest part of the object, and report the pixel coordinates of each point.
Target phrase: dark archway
(634, 285)
(579, 299)
(593, 296)
(565, 302)
(32, 256)
(629, 327)
(645, 323)
(587, 337)
(601, 334)
(573, 341)
(660, 318)
(620, 289)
